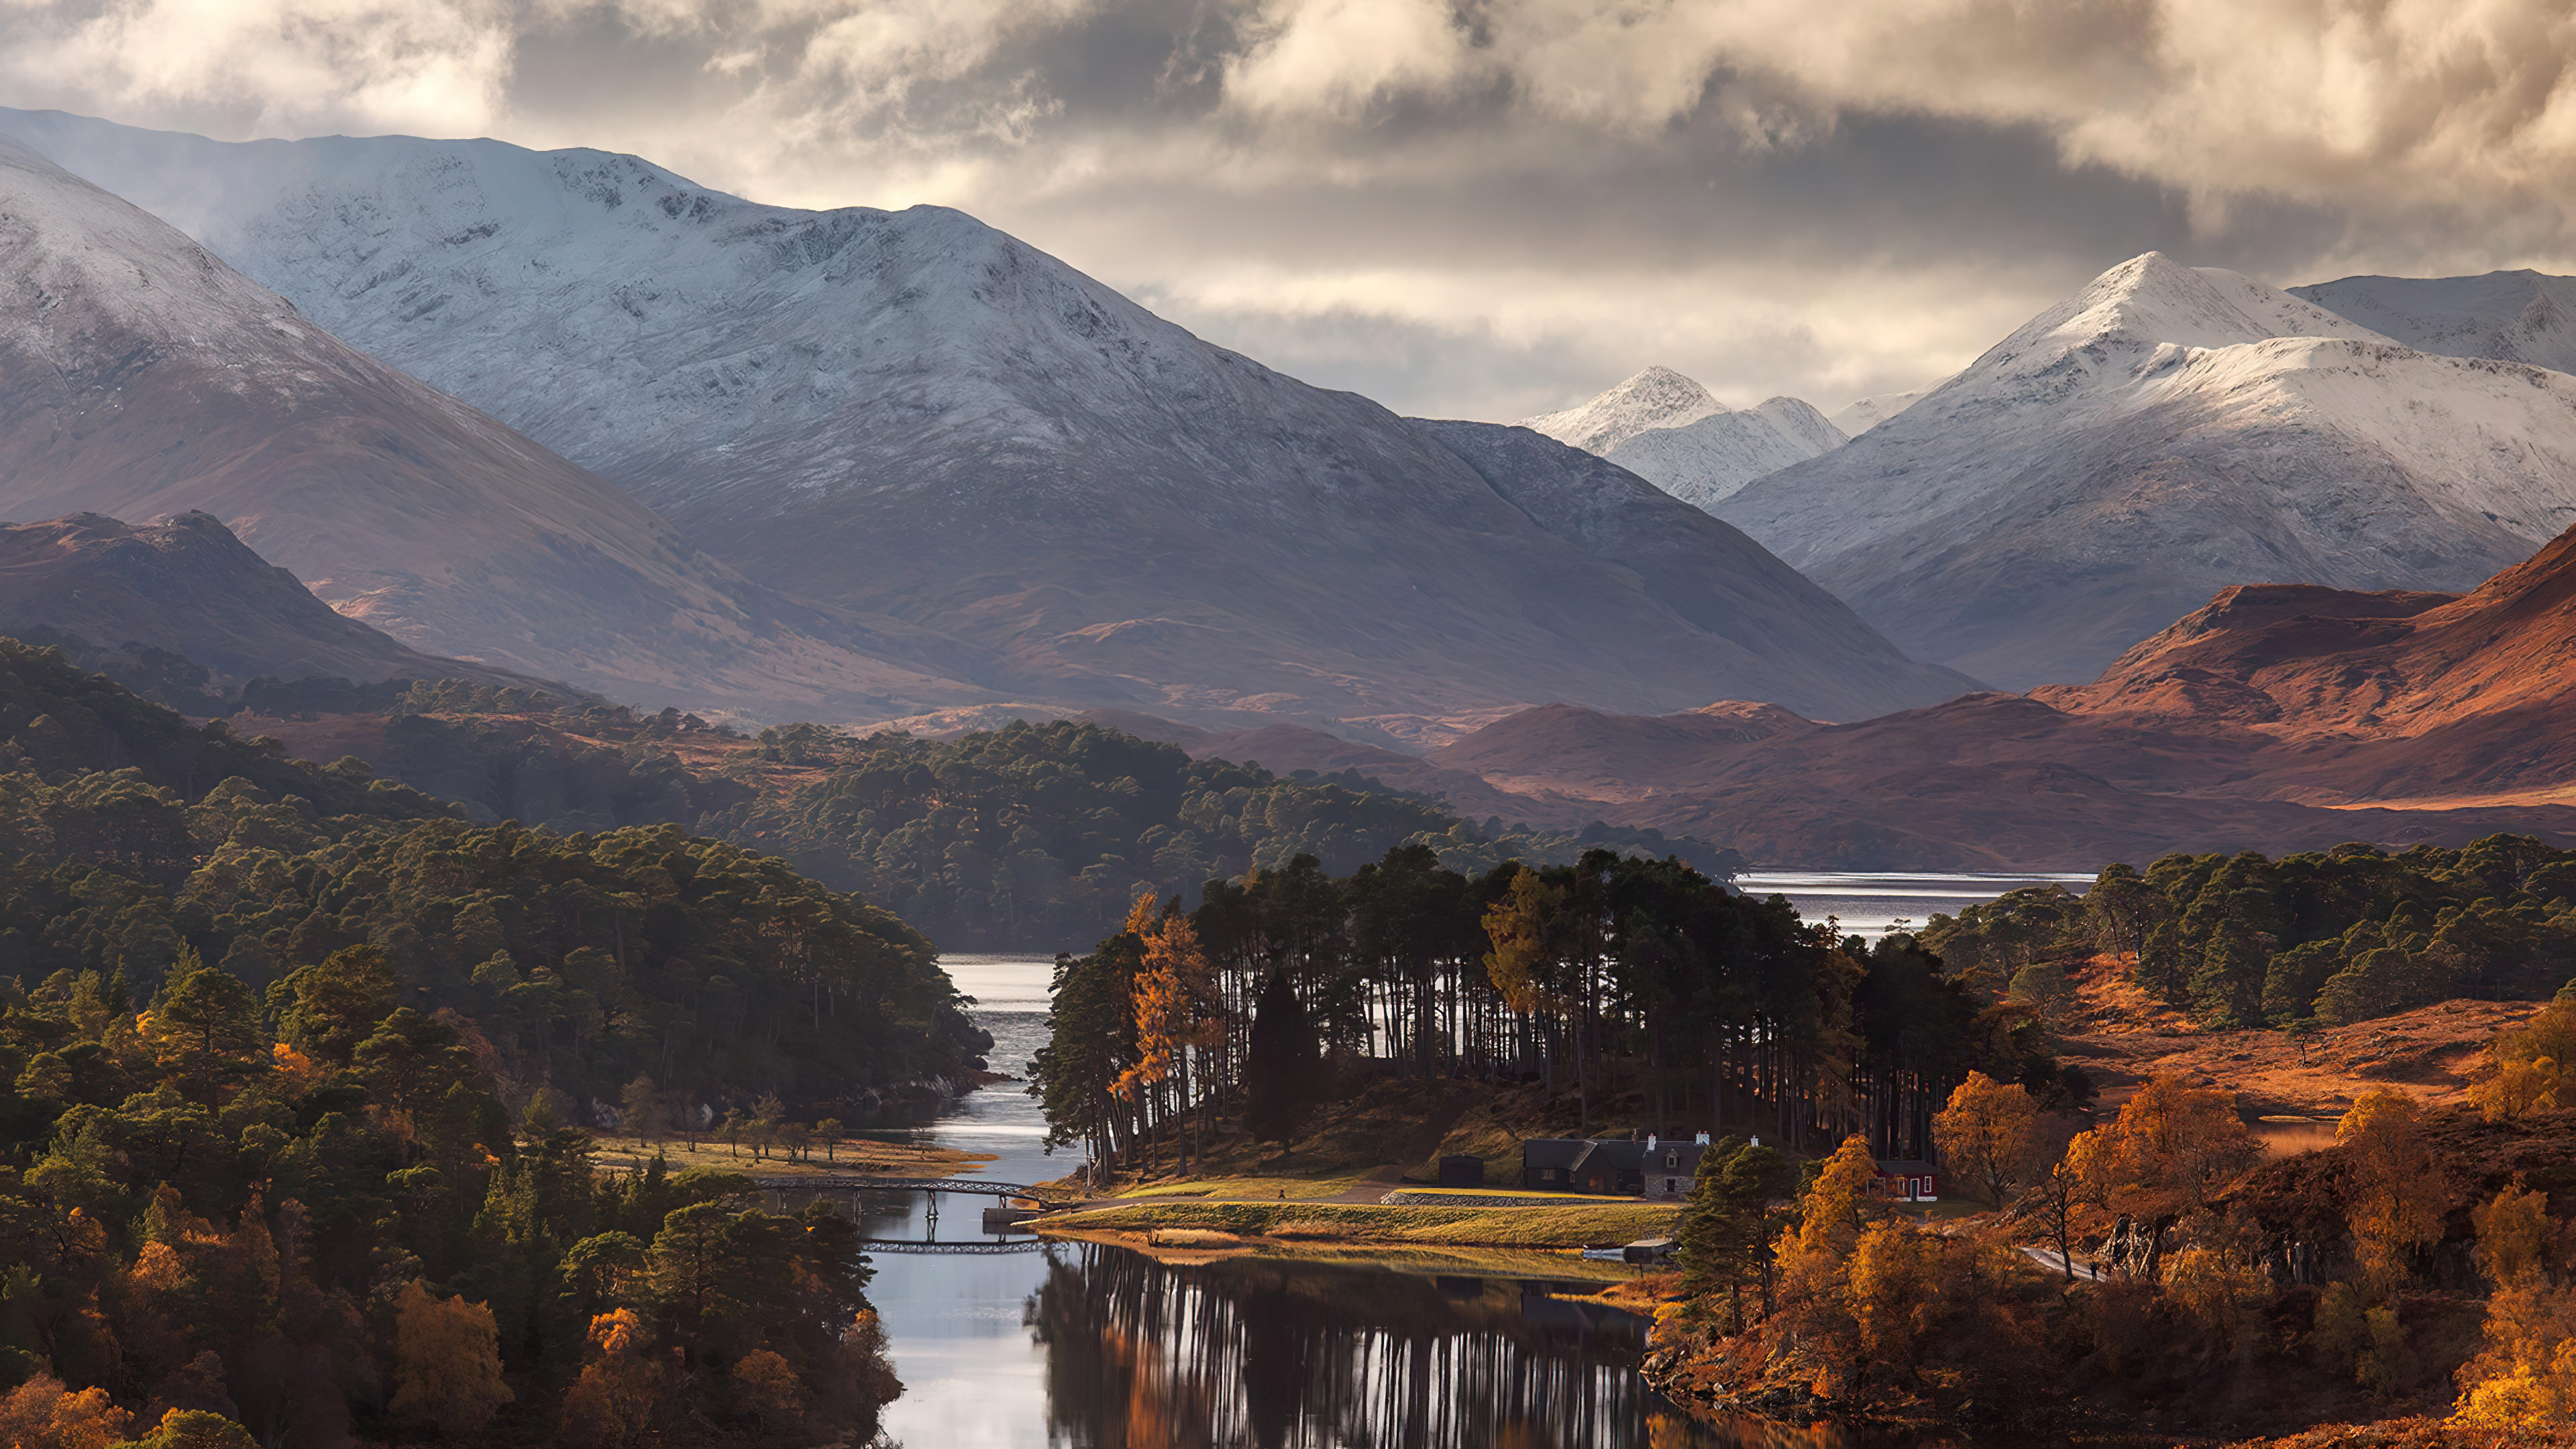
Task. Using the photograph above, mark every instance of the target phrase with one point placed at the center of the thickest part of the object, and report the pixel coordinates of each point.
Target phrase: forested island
(298, 1074)
(2150, 1259)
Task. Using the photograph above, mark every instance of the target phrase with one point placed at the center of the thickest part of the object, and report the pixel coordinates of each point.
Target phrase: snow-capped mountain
(1655, 398)
(1668, 430)
(913, 414)
(2511, 316)
(140, 376)
(2161, 435)
(1855, 418)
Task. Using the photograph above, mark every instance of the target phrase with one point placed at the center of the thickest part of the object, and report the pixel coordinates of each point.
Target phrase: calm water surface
(1871, 903)
(1099, 1348)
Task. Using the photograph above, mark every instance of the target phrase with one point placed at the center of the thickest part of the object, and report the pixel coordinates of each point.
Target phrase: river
(1088, 1347)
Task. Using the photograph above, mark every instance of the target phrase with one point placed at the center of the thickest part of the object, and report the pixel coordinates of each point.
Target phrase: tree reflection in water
(1259, 1352)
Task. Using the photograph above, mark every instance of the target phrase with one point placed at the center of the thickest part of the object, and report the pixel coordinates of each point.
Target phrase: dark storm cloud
(1481, 207)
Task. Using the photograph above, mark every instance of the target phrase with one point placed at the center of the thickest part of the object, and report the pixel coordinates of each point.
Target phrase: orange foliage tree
(612, 1404)
(1988, 1134)
(2400, 1190)
(42, 1414)
(1174, 998)
(2168, 1152)
(2523, 1379)
(447, 1361)
(2531, 1067)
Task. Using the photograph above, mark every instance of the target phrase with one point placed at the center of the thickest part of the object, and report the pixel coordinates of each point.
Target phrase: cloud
(1482, 206)
(271, 67)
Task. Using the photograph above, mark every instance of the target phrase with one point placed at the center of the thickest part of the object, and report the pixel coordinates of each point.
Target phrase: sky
(1481, 208)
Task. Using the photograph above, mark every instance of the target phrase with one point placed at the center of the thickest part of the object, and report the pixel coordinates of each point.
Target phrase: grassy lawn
(895, 1159)
(1470, 1194)
(1249, 1189)
(1595, 1223)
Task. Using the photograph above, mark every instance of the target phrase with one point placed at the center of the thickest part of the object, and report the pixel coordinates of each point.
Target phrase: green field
(1593, 1223)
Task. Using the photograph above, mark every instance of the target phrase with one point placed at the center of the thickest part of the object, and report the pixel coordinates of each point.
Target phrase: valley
(536, 694)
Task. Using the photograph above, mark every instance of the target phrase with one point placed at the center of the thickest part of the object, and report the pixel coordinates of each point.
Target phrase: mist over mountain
(918, 417)
(2161, 435)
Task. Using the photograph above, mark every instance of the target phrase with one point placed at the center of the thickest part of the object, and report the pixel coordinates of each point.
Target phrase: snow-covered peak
(2150, 302)
(1655, 398)
(2518, 316)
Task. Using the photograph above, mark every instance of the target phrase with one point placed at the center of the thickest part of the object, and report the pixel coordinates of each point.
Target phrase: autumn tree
(767, 1385)
(447, 1361)
(1987, 1135)
(197, 1429)
(42, 1414)
(2400, 1189)
(1522, 928)
(1830, 1216)
(2168, 1152)
(1173, 995)
(612, 1404)
(2523, 1378)
(2531, 1067)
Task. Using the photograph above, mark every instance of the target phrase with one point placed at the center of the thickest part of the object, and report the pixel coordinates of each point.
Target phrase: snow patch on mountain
(2521, 316)
(1856, 418)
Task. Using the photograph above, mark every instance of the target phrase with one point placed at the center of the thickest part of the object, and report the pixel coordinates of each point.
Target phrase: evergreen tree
(1280, 1068)
(1726, 1231)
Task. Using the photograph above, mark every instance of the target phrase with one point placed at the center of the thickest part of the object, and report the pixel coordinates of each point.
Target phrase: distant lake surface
(1870, 903)
(1076, 1346)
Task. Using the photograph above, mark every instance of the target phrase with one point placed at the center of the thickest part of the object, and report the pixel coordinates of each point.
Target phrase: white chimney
(1700, 1140)
(1650, 1142)
(1757, 1141)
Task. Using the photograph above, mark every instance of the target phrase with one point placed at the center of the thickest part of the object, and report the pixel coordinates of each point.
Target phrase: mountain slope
(914, 415)
(2391, 695)
(189, 587)
(2520, 316)
(2161, 435)
(1668, 430)
(1856, 418)
(1711, 582)
(139, 377)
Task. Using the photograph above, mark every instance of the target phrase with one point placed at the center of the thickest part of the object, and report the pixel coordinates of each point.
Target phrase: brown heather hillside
(2279, 718)
(188, 586)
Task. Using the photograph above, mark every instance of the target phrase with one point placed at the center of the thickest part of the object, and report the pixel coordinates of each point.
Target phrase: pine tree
(1279, 1065)
(1726, 1231)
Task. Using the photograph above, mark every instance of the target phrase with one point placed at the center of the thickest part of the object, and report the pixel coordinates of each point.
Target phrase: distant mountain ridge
(1670, 431)
(916, 417)
(2521, 316)
(2161, 435)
